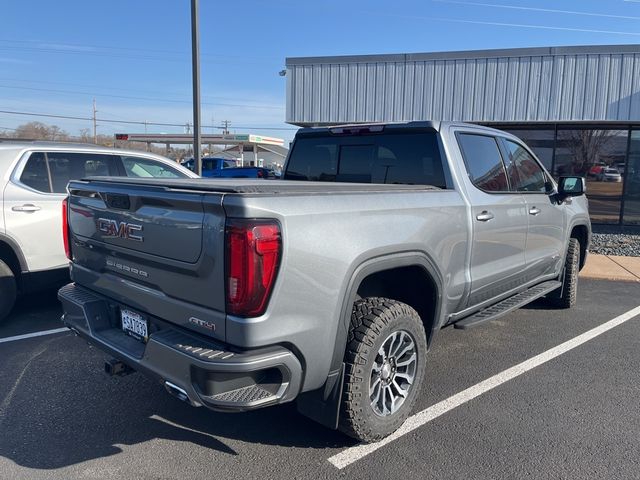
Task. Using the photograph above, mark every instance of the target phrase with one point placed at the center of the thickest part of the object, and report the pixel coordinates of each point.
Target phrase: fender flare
(323, 404)
(375, 265)
(580, 222)
(16, 250)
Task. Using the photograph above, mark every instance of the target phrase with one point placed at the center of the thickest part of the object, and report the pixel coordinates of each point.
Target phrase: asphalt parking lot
(575, 416)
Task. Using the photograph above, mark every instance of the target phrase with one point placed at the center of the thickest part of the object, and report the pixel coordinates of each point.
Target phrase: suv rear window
(50, 172)
(402, 158)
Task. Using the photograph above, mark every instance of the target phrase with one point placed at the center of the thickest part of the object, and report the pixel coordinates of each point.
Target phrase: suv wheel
(8, 290)
(567, 295)
(385, 364)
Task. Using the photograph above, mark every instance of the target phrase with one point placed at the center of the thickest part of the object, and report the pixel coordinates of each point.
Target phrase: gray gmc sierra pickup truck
(326, 287)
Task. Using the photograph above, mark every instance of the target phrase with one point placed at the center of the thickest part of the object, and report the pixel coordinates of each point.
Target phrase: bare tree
(40, 131)
(588, 147)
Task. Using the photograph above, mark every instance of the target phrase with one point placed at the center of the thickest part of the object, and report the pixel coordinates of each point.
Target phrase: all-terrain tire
(8, 290)
(374, 321)
(567, 295)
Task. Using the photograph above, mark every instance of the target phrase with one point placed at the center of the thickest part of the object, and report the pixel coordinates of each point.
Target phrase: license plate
(134, 324)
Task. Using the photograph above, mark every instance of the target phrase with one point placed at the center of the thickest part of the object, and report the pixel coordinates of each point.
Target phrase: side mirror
(571, 187)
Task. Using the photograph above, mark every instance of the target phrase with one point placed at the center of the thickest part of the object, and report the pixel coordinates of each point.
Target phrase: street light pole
(195, 60)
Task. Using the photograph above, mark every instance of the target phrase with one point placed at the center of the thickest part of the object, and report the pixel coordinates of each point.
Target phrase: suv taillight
(253, 250)
(65, 229)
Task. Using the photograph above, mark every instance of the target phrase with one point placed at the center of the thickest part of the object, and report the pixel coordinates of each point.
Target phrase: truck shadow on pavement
(57, 408)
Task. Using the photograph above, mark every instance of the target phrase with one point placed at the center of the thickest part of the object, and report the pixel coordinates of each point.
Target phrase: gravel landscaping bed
(625, 244)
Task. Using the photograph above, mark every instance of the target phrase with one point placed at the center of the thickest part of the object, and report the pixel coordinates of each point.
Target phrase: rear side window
(145, 167)
(484, 162)
(51, 172)
(35, 173)
(74, 166)
(527, 175)
(402, 158)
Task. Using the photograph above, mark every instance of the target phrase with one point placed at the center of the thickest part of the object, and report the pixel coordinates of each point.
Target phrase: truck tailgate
(155, 249)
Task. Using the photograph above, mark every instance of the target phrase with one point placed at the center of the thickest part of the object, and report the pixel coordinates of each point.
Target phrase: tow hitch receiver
(115, 367)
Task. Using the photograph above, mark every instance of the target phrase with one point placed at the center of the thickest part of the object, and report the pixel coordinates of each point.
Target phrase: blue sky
(133, 56)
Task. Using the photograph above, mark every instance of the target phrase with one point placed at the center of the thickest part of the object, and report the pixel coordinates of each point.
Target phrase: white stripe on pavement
(353, 454)
(34, 334)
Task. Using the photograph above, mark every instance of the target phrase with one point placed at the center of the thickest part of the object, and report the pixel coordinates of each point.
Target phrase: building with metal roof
(578, 108)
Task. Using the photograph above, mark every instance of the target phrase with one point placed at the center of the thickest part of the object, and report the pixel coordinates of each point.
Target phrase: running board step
(508, 305)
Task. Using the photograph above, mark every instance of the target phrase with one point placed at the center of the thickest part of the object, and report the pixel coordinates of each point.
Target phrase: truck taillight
(253, 250)
(65, 229)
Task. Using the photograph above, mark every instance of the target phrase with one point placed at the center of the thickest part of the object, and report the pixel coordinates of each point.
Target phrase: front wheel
(385, 364)
(567, 295)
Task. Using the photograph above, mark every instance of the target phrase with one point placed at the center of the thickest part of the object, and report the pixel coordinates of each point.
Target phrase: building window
(632, 180)
(598, 155)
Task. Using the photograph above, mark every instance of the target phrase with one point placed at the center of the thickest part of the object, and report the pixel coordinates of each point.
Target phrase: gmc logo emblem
(113, 228)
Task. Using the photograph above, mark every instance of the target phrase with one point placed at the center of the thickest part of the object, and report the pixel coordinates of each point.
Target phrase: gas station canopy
(187, 138)
(254, 142)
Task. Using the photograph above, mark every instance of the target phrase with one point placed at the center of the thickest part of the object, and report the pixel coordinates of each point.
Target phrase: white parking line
(34, 334)
(353, 454)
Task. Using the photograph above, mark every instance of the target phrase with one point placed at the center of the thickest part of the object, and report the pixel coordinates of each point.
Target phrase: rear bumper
(206, 372)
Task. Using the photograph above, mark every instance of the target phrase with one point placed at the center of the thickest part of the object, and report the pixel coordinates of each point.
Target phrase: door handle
(27, 207)
(534, 211)
(484, 216)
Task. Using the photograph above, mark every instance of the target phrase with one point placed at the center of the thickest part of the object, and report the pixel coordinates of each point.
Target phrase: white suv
(33, 182)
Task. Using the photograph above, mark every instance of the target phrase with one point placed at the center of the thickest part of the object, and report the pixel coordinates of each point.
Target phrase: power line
(90, 49)
(111, 86)
(134, 122)
(152, 99)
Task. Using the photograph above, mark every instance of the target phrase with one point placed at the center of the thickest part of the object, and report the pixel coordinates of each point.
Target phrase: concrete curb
(611, 267)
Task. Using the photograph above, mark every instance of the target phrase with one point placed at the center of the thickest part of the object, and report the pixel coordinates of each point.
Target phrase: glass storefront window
(539, 141)
(632, 180)
(599, 155)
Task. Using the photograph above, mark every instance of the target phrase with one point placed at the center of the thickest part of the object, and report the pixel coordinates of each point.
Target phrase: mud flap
(323, 405)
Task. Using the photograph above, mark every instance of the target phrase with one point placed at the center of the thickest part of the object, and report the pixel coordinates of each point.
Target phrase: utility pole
(213, 130)
(195, 65)
(95, 125)
(225, 126)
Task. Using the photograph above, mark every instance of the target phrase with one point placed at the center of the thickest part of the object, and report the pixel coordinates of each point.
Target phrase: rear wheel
(385, 363)
(567, 295)
(8, 290)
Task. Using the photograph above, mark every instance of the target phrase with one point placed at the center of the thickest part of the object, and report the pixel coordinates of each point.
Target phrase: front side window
(484, 162)
(525, 173)
(145, 167)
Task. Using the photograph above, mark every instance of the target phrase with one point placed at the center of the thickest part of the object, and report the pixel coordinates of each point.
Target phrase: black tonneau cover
(255, 186)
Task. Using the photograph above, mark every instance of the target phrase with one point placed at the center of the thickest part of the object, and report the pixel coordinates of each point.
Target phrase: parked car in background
(213, 167)
(34, 177)
(596, 170)
(609, 174)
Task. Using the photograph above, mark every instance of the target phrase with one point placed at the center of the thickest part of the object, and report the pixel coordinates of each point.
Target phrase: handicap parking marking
(353, 454)
(34, 334)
